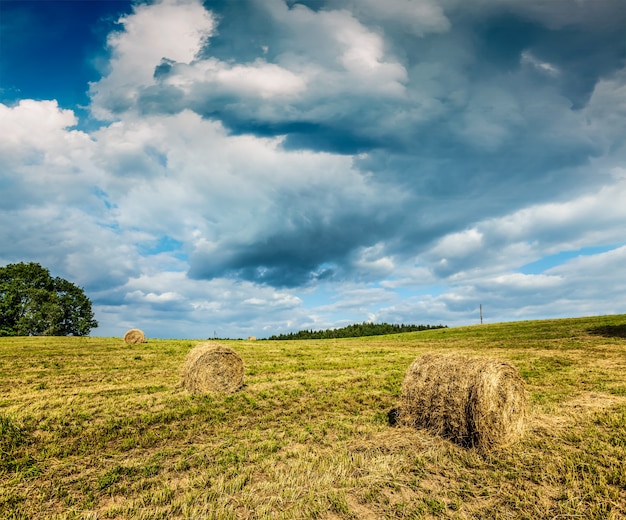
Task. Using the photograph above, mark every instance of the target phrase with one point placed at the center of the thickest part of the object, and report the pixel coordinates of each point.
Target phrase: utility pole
(481, 313)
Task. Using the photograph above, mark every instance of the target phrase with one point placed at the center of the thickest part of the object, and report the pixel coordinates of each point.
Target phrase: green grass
(91, 428)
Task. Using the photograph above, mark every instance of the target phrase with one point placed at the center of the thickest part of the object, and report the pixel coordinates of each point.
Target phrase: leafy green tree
(33, 303)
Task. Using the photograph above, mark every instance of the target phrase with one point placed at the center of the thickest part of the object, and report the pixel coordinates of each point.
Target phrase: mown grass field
(92, 428)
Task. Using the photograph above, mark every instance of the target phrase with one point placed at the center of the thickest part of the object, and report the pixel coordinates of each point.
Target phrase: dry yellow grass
(91, 428)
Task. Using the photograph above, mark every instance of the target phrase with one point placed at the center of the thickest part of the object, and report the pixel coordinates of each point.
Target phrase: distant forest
(356, 330)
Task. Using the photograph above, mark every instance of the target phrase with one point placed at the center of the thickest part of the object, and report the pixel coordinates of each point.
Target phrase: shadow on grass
(610, 331)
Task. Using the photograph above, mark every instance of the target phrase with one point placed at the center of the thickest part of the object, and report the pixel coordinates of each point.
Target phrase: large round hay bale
(134, 336)
(211, 367)
(474, 402)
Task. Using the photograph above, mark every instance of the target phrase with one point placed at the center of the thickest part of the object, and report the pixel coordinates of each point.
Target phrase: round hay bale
(474, 402)
(134, 336)
(211, 367)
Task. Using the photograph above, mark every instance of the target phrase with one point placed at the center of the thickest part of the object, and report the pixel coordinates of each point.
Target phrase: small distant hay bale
(134, 336)
(251, 338)
(211, 367)
(474, 402)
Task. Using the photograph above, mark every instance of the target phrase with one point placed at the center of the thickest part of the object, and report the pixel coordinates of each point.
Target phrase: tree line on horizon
(356, 330)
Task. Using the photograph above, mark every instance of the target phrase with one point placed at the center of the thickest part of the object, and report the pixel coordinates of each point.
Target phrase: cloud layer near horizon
(265, 166)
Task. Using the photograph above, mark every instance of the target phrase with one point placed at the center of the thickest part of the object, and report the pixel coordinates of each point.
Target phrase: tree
(33, 303)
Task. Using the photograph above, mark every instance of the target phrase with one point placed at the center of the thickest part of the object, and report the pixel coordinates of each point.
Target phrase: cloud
(331, 161)
(260, 80)
(361, 90)
(39, 149)
(542, 66)
(50, 208)
(296, 88)
(167, 29)
(206, 308)
(242, 205)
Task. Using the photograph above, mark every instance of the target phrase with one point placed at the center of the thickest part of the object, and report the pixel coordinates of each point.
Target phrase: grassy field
(92, 428)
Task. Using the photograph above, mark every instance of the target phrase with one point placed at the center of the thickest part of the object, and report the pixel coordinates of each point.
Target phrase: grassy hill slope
(91, 428)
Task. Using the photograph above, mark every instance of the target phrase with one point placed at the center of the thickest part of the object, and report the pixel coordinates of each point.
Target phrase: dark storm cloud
(580, 52)
(309, 249)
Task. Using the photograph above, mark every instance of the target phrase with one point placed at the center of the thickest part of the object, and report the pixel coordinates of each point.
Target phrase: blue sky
(252, 167)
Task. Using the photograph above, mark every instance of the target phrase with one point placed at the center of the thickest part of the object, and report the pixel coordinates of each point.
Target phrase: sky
(235, 168)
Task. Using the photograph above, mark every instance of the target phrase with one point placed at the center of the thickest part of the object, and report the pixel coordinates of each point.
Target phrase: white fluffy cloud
(42, 157)
(168, 29)
(186, 177)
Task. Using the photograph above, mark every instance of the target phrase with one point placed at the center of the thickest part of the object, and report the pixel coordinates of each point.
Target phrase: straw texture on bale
(474, 402)
(134, 336)
(211, 367)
